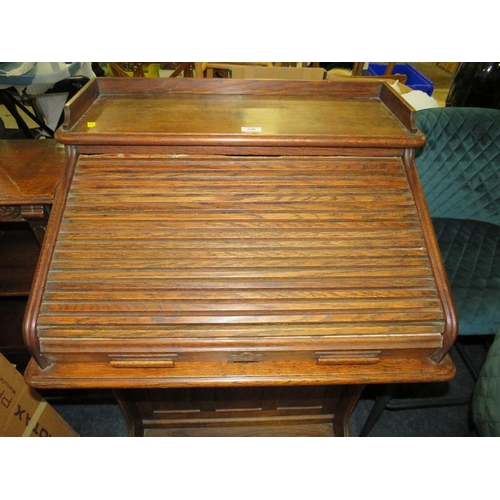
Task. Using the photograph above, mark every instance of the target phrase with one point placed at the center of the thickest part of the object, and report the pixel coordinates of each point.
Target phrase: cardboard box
(23, 412)
(268, 73)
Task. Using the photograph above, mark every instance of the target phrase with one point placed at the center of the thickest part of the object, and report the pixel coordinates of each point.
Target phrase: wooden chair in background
(222, 69)
(358, 68)
(118, 69)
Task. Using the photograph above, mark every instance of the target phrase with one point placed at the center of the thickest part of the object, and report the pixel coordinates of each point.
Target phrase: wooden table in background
(29, 173)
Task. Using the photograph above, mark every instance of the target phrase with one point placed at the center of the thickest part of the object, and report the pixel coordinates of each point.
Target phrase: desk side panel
(439, 271)
(30, 333)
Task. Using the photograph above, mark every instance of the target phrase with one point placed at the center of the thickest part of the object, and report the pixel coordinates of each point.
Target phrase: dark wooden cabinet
(239, 254)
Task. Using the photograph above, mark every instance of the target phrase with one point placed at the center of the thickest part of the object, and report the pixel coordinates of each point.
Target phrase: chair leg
(382, 402)
(428, 403)
(467, 361)
(11, 107)
(378, 408)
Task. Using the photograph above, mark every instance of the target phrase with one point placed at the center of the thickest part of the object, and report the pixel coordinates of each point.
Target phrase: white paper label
(251, 129)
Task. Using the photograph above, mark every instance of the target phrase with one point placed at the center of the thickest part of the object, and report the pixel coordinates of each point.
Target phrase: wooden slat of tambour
(148, 213)
(153, 261)
(189, 166)
(402, 240)
(185, 237)
(276, 294)
(307, 319)
(248, 247)
(211, 182)
(313, 208)
(249, 228)
(222, 253)
(232, 186)
(349, 332)
(113, 276)
(228, 167)
(340, 342)
(231, 306)
(343, 284)
(312, 201)
(247, 172)
(163, 265)
(250, 203)
(242, 166)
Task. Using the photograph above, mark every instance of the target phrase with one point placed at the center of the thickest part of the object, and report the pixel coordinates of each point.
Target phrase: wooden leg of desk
(348, 401)
(130, 407)
(37, 217)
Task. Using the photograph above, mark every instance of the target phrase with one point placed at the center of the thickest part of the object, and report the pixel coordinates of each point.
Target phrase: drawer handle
(246, 357)
(146, 362)
(347, 358)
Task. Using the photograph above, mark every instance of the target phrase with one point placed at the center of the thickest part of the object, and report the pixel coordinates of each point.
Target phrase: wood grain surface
(29, 171)
(184, 252)
(284, 254)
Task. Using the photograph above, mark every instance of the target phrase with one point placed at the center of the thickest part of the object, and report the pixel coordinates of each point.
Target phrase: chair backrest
(459, 165)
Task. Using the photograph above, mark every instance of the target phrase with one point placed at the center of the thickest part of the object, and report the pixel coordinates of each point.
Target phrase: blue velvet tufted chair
(459, 169)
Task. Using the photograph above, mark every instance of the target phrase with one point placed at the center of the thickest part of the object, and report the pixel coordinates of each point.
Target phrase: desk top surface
(238, 112)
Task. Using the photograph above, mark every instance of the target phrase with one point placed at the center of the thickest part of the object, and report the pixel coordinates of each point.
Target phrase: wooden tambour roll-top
(226, 232)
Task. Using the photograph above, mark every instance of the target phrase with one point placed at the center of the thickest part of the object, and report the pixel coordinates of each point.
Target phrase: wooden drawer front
(139, 363)
(203, 248)
(259, 359)
(180, 359)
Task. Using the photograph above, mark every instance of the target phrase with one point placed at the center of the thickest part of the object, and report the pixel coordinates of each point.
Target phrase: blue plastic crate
(415, 80)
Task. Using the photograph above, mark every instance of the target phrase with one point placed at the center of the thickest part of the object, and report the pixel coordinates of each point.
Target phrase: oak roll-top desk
(238, 257)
